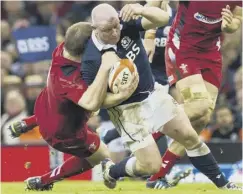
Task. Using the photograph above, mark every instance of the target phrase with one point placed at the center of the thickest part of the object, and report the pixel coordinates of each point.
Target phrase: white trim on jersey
(176, 40)
(101, 46)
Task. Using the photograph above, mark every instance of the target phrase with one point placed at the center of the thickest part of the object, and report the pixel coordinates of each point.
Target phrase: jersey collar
(101, 46)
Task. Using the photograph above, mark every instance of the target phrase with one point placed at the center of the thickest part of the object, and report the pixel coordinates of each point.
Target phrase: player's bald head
(103, 13)
(106, 23)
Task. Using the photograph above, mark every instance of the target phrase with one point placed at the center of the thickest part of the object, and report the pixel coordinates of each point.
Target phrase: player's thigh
(175, 93)
(213, 91)
(137, 121)
(196, 98)
(82, 146)
(192, 86)
(200, 123)
(129, 123)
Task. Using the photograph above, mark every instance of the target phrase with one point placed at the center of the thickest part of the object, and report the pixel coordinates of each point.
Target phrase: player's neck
(72, 58)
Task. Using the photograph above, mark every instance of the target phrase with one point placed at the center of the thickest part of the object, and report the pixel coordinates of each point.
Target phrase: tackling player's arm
(95, 75)
(112, 100)
(150, 34)
(231, 20)
(153, 17)
(94, 96)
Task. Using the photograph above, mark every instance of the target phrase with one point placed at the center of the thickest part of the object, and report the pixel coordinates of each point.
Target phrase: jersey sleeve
(89, 70)
(137, 24)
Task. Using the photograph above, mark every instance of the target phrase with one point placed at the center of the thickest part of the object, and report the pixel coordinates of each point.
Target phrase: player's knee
(197, 109)
(200, 123)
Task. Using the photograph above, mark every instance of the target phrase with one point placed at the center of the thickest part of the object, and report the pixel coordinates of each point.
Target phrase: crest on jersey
(125, 42)
(184, 68)
(200, 17)
(92, 146)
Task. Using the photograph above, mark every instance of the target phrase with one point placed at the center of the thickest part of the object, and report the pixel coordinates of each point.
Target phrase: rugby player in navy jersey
(106, 36)
(156, 42)
(149, 108)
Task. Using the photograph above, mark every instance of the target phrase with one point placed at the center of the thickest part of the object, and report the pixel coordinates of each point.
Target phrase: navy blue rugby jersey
(129, 46)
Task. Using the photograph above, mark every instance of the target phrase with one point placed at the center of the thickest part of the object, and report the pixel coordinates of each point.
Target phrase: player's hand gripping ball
(120, 74)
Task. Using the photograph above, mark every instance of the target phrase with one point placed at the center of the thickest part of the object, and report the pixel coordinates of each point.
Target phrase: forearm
(94, 96)
(112, 100)
(150, 34)
(156, 16)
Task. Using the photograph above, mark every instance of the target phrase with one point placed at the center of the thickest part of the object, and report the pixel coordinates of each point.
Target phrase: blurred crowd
(22, 82)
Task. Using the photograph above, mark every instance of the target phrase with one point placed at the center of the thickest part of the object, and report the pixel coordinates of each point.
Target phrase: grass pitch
(125, 187)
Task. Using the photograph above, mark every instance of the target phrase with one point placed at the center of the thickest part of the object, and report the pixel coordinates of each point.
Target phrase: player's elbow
(163, 20)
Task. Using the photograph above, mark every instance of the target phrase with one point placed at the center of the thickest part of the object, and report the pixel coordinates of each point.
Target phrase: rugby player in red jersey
(194, 64)
(65, 105)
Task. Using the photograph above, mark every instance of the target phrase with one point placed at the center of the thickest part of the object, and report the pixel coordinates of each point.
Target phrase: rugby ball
(120, 73)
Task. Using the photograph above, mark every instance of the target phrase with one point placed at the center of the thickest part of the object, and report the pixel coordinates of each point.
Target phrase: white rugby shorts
(137, 121)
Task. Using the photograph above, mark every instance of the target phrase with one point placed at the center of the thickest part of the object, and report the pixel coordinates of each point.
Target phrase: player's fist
(227, 18)
(126, 90)
(164, 5)
(108, 59)
(131, 11)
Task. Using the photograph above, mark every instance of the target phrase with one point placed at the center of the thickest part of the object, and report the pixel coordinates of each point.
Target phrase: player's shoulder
(59, 60)
(124, 25)
(91, 52)
(130, 25)
(58, 50)
(91, 58)
(57, 55)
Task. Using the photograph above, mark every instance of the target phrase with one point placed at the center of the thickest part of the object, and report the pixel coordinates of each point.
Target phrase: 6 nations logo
(125, 42)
